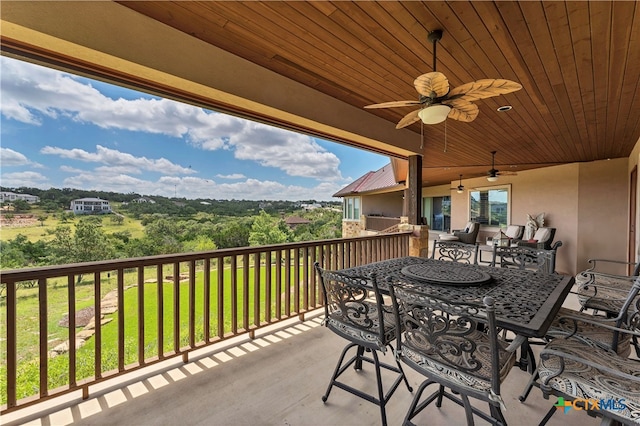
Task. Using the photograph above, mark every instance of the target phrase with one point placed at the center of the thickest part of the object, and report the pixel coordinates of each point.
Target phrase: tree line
(85, 240)
(54, 199)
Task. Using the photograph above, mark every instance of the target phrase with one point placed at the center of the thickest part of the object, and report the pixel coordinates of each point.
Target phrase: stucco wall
(603, 211)
(593, 195)
(388, 205)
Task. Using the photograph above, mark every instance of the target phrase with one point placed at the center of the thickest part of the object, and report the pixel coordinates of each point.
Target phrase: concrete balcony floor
(276, 379)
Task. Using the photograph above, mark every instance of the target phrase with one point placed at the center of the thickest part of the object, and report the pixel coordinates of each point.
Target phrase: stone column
(418, 240)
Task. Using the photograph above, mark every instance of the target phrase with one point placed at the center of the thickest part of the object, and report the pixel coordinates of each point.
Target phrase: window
(351, 208)
(437, 210)
(490, 206)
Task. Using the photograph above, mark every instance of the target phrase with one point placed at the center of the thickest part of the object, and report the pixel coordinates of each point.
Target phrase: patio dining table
(525, 302)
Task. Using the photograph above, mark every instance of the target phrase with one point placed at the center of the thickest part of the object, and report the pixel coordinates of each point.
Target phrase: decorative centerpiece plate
(443, 273)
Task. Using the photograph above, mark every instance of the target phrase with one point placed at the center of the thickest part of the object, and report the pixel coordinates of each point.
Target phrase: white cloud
(31, 92)
(193, 187)
(121, 161)
(9, 157)
(69, 169)
(30, 179)
(232, 176)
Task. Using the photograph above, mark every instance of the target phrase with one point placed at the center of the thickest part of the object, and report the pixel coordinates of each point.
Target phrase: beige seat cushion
(448, 237)
(512, 231)
(542, 235)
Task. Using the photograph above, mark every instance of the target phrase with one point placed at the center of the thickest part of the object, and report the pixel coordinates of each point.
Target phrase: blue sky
(63, 131)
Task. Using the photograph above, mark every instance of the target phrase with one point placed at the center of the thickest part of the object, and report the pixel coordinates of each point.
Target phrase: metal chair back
(453, 345)
(355, 310)
(455, 251)
(538, 260)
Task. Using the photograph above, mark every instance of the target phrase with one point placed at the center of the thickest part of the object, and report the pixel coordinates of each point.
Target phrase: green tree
(91, 242)
(162, 237)
(268, 230)
(117, 219)
(61, 247)
(88, 243)
(20, 206)
(42, 218)
(200, 243)
(233, 233)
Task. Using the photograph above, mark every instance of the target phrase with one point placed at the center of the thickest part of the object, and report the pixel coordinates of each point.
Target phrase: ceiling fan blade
(462, 110)
(408, 119)
(393, 104)
(507, 174)
(486, 88)
(432, 84)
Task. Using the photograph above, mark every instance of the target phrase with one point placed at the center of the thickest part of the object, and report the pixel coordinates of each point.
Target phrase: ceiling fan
(437, 102)
(493, 173)
(460, 187)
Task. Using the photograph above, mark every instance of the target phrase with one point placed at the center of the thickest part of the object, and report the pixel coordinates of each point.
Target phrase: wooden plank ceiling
(578, 63)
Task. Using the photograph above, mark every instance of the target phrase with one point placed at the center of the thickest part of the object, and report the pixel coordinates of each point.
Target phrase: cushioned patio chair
(593, 373)
(468, 235)
(367, 324)
(592, 330)
(455, 251)
(602, 291)
(543, 238)
(456, 347)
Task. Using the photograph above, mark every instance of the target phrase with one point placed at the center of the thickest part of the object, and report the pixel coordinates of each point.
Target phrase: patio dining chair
(529, 258)
(355, 310)
(591, 330)
(594, 374)
(600, 290)
(536, 259)
(456, 347)
(455, 251)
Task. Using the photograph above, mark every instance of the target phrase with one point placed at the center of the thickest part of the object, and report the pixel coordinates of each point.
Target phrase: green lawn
(58, 367)
(39, 231)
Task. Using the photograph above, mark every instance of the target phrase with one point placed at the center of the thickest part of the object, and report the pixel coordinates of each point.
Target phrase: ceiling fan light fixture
(434, 114)
(492, 178)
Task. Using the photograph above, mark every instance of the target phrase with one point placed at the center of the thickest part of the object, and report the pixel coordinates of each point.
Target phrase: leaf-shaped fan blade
(432, 83)
(462, 110)
(393, 104)
(408, 119)
(486, 88)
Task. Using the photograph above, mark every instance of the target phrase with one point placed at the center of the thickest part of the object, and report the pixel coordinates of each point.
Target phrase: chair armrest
(594, 265)
(546, 354)
(611, 324)
(612, 282)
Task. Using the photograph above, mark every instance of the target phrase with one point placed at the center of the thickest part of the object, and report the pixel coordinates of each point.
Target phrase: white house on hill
(90, 206)
(9, 197)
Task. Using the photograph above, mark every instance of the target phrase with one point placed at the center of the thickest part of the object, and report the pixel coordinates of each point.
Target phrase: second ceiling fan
(437, 102)
(493, 173)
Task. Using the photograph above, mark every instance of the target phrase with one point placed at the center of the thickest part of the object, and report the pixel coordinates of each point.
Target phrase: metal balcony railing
(159, 307)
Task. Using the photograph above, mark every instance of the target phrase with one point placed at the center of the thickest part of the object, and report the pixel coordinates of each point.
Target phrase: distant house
(143, 200)
(372, 203)
(293, 221)
(90, 206)
(9, 197)
(312, 206)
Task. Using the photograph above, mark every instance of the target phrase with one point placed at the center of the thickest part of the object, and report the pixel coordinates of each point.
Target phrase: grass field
(41, 231)
(57, 296)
